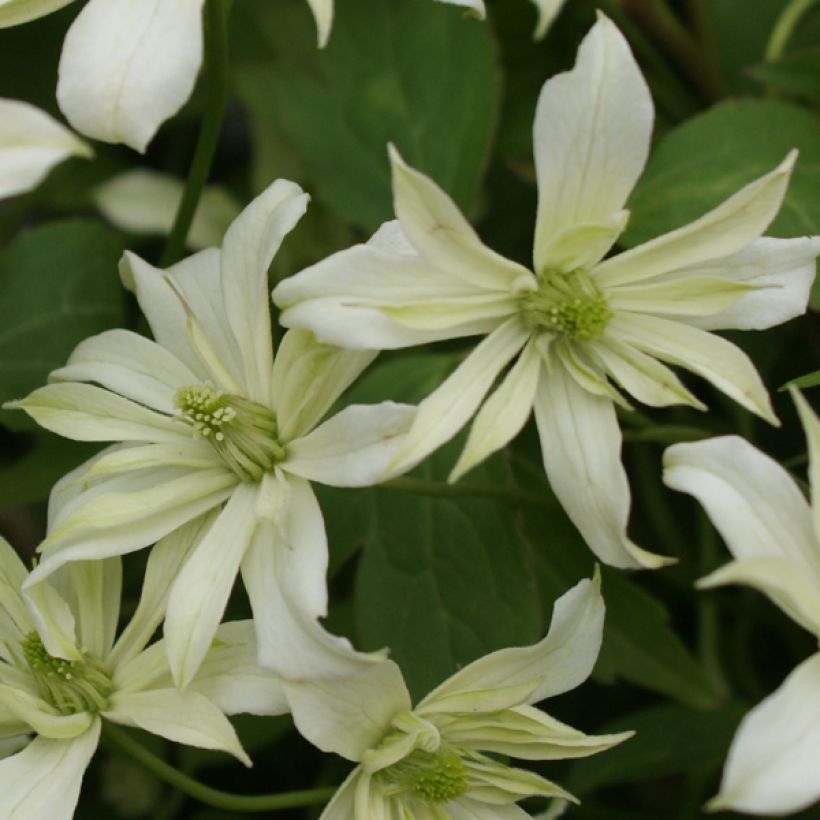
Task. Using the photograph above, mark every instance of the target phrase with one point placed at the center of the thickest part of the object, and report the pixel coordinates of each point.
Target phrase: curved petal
(581, 444)
(354, 447)
(771, 764)
(129, 65)
(13, 12)
(31, 144)
(323, 12)
(547, 11)
(467, 809)
(247, 252)
(44, 779)
(41, 716)
(15, 619)
(591, 139)
(811, 426)
(94, 589)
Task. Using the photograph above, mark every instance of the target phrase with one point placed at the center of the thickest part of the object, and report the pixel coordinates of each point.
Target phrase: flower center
(243, 432)
(435, 777)
(566, 303)
(69, 686)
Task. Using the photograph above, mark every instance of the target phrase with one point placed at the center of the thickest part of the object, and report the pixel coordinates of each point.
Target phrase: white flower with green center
(437, 761)
(62, 674)
(774, 536)
(206, 417)
(580, 325)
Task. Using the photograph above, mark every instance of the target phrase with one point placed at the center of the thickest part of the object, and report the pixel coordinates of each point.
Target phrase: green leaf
(796, 74)
(60, 285)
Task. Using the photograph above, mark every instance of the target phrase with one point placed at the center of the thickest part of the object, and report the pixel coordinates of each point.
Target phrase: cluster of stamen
(82, 685)
(435, 777)
(566, 303)
(243, 432)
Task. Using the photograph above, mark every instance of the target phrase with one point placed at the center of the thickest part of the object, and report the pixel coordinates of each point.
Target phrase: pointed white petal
(308, 377)
(726, 366)
(200, 593)
(811, 426)
(323, 12)
(15, 620)
(581, 445)
(349, 715)
(341, 806)
(195, 454)
(354, 447)
(726, 229)
(31, 144)
(40, 716)
(771, 764)
(445, 411)
(247, 252)
(127, 66)
(504, 414)
(178, 715)
(13, 12)
(53, 618)
(94, 596)
(44, 779)
(592, 130)
(442, 236)
(547, 12)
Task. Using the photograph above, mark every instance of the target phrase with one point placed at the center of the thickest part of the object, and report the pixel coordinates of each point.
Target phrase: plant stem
(708, 625)
(205, 794)
(785, 25)
(216, 67)
(442, 490)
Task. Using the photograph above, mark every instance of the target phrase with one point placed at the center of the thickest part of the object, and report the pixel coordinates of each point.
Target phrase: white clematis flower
(31, 144)
(774, 536)
(62, 674)
(430, 762)
(206, 418)
(579, 326)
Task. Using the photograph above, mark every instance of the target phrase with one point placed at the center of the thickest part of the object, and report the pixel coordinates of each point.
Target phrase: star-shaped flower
(774, 536)
(206, 417)
(579, 326)
(62, 674)
(433, 762)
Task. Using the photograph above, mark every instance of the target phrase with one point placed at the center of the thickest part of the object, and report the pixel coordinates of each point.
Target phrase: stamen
(435, 777)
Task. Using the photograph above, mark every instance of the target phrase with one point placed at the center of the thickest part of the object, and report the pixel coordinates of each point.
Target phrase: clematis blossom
(63, 675)
(579, 330)
(206, 419)
(774, 536)
(432, 761)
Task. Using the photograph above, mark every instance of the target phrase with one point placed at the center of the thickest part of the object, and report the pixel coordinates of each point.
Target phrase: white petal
(131, 365)
(15, 620)
(445, 411)
(44, 779)
(592, 131)
(811, 426)
(95, 588)
(341, 806)
(726, 229)
(144, 201)
(349, 715)
(308, 377)
(504, 413)
(129, 65)
(247, 252)
(196, 454)
(323, 12)
(40, 716)
(581, 445)
(182, 716)
(200, 593)
(14, 12)
(556, 664)
(771, 765)
(442, 236)
(547, 12)
(31, 144)
(354, 447)
(466, 809)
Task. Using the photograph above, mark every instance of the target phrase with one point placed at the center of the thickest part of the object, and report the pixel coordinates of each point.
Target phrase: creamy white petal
(308, 377)
(94, 596)
(771, 767)
(504, 414)
(323, 12)
(811, 426)
(31, 144)
(40, 716)
(178, 715)
(445, 411)
(341, 806)
(14, 12)
(349, 715)
(726, 229)
(581, 446)
(129, 65)
(195, 454)
(354, 447)
(725, 365)
(44, 779)
(466, 809)
(15, 619)
(247, 252)
(201, 590)
(442, 236)
(547, 12)
(53, 617)
(591, 138)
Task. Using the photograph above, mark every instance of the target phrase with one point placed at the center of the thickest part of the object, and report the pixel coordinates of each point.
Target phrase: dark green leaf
(796, 74)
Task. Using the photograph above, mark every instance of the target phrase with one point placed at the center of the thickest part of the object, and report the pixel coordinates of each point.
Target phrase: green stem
(205, 794)
(216, 67)
(441, 490)
(708, 624)
(785, 25)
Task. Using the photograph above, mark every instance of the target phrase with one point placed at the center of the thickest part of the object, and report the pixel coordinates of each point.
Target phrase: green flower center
(69, 686)
(566, 303)
(435, 777)
(243, 432)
